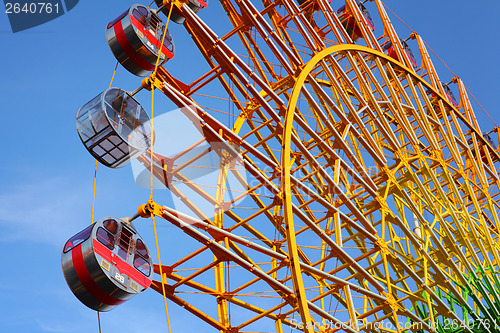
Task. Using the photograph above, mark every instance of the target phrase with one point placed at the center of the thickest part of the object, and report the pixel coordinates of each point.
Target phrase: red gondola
(176, 16)
(389, 50)
(449, 94)
(482, 151)
(135, 39)
(350, 24)
(106, 264)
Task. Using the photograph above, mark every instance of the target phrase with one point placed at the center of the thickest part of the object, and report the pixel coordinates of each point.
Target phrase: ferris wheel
(340, 186)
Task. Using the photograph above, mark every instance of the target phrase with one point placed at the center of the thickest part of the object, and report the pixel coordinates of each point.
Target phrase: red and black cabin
(349, 22)
(389, 50)
(106, 263)
(176, 16)
(449, 94)
(135, 39)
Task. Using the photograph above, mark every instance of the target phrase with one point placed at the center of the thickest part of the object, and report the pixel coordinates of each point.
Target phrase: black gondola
(135, 39)
(176, 16)
(106, 263)
(111, 126)
(350, 24)
(389, 50)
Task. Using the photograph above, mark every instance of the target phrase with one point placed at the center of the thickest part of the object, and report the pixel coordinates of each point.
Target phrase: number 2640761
(31, 8)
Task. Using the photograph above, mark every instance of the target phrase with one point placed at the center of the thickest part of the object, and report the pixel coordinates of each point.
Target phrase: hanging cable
(464, 85)
(481, 106)
(113, 77)
(95, 168)
(153, 77)
(93, 192)
(399, 18)
(99, 321)
(161, 273)
(484, 110)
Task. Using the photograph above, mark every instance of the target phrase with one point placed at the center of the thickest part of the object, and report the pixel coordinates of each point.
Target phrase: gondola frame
(100, 277)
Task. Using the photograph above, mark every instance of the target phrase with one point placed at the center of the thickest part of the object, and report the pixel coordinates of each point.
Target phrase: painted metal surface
(367, 204)
(104, 269)
(135, 39)
(176, 15)
(344, 95)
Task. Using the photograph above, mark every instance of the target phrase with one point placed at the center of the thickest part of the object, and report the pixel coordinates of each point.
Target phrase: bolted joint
(278, 199)
(143, 211)
(169, 289)
(392, 302)
(382, 245)
(177, 3)
(290, 299)
(151, 208)
(146, 83)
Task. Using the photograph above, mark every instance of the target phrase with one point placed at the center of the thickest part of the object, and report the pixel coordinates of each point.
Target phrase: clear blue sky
(46, 175)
